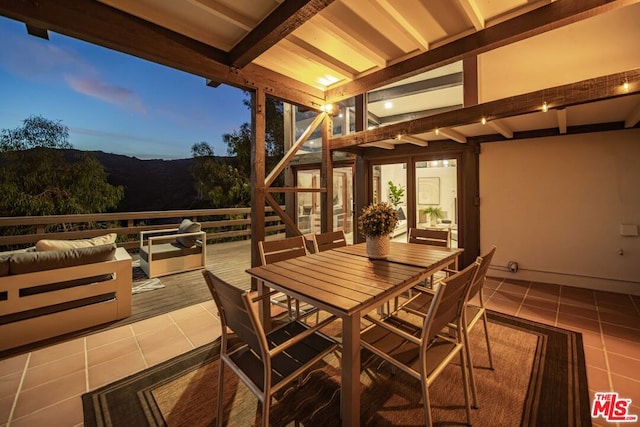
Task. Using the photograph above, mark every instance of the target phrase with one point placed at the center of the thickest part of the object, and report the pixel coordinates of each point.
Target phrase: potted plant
(396, 193)
(434, 213)
(376, 222)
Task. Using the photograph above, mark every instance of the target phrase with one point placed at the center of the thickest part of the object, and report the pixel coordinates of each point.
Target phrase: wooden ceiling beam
(285, 19)
(381, 144)
(472, 11)
(410, 139)
(371, 52)
(300, 47)
(38, 32)
(398, 17)
(103, 25)
(633, 118)
(225, 13)
(591, 90)
(501, 127)
(452, 134)
(546, 18)
(562, 120)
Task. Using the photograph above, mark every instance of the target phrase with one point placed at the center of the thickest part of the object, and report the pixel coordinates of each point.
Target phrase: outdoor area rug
(539, 379)
(146, 286)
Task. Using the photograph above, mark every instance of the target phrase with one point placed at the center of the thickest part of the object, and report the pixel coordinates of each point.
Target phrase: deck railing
(220, 224)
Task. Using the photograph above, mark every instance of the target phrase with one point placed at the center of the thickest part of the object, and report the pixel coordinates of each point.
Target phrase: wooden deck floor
(226, 260)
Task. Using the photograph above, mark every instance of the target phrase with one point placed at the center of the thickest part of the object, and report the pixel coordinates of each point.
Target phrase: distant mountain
(150, 185)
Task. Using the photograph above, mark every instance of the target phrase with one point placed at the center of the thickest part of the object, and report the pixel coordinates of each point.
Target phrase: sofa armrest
(144, 235)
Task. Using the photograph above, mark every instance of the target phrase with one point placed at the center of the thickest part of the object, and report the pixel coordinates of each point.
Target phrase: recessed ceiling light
(388, 105)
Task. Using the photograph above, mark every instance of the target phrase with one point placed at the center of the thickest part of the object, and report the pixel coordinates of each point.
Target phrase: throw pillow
(188, 226)
(61, 245)
(401, 215)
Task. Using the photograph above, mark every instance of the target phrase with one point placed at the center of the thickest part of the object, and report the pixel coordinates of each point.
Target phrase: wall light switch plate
(628, 230)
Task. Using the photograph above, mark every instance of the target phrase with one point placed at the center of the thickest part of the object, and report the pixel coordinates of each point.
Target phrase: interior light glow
(625, 85)
(437, 131)
(388, 105)
(434, 163)
(445, 162)
(484, 121)
(545, 107)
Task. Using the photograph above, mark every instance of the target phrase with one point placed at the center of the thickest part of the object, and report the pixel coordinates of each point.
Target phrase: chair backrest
(430, 236)
(280, 250)
(485, 261)
(329, 240)
(449, 302)
(237, 313)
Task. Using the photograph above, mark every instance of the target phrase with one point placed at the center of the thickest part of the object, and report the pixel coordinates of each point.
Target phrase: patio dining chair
(421, 348)
(475, 310)
(329, 240)
(265, 363)
(280, 250)
(432, 237)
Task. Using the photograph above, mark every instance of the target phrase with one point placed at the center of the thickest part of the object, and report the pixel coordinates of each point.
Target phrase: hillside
(150, 185)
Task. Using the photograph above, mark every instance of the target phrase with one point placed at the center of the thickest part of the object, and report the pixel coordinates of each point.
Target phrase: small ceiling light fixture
(328, 108)
(437, 131)
(445, 162)
(483, 121)
(625, 85)
(545, 107)
(388, 105)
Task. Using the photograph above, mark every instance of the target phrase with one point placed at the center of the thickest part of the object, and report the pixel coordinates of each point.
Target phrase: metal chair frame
(421, 349)
(265, 362)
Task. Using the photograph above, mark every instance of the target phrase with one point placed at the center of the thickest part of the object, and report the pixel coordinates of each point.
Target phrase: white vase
(378, 246)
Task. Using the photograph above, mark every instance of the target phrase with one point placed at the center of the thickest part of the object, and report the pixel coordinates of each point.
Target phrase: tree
(218, 181)
(36, 131)
(40, 176)
(239, 142)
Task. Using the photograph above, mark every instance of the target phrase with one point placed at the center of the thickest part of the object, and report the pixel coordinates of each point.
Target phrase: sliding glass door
(437, 196)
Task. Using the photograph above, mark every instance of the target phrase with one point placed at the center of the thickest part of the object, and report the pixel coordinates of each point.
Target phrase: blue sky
(111, 101)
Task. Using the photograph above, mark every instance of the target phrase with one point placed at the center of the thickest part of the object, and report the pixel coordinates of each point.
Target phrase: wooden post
(470, 80)
(258, 126)
(326, 176)
(290, 202)
(362, 189)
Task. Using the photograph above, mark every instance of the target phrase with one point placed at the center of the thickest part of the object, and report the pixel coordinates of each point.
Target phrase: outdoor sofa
(63, 289)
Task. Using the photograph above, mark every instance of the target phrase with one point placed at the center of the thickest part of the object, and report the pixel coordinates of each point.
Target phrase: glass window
(390, 185)
(437, 196)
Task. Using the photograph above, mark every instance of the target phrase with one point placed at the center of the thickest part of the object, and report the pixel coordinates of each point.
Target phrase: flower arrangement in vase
(377, 221)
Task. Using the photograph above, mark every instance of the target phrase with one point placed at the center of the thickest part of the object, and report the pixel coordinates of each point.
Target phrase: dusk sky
(111, 101)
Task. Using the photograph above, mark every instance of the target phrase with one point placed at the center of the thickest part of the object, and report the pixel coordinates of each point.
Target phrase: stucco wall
(555, 206)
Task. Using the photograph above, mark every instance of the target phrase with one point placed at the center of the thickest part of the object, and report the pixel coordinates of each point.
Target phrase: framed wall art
(429, 191)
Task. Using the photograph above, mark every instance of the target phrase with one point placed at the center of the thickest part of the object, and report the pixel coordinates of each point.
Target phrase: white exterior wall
(555, 206)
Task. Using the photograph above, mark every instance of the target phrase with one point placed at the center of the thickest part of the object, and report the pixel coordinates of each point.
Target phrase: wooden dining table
(348, 284)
